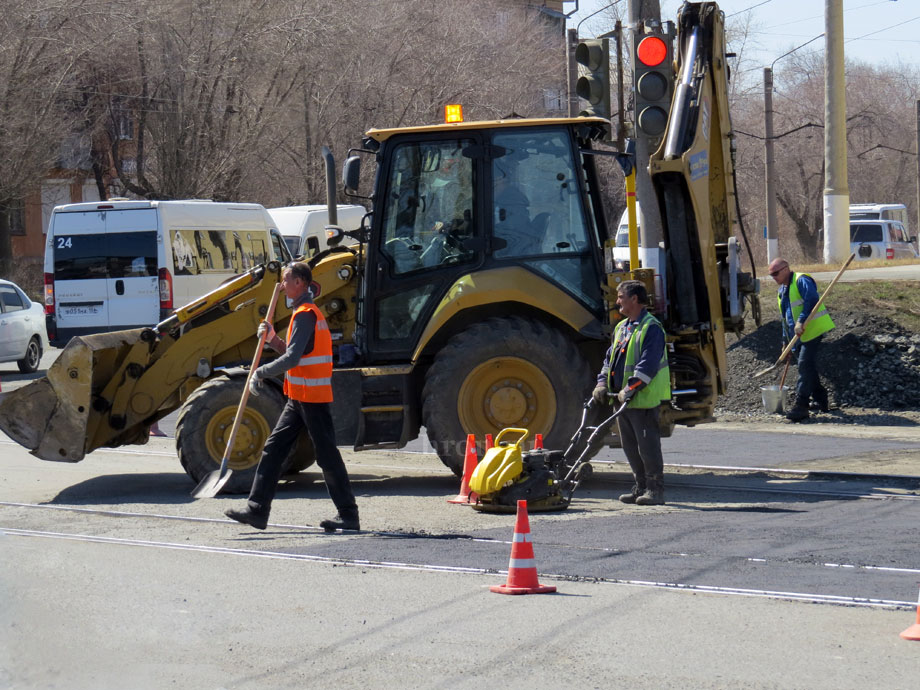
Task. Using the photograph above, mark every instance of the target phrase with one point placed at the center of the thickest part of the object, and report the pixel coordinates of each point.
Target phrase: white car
(23, 337)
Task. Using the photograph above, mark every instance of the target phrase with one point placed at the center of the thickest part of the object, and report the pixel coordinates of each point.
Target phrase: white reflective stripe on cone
(521, 537)
(522, 564)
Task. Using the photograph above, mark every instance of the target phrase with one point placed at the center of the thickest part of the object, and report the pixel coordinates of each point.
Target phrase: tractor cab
(456, 201)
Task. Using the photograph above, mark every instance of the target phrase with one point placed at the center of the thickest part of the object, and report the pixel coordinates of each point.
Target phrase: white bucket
(774, 399)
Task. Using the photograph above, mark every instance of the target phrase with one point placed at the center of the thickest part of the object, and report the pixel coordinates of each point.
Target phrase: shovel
(814, 311)
(214, 481)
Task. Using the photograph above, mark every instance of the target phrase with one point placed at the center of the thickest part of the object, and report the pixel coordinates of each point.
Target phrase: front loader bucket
(50, 416)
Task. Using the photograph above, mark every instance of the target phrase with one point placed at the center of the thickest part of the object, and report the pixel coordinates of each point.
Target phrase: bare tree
(39, 109)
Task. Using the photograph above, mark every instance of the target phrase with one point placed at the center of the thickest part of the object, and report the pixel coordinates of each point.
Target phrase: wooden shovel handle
(245, 397)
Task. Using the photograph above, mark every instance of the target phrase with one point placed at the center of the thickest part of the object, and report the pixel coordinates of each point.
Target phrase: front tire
(204, 425)
(30, 363)
(504, 372)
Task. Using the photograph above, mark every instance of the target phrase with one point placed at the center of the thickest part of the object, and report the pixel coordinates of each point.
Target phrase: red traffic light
(651, 51)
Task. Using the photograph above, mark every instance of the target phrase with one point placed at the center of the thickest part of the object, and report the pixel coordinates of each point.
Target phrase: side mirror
(334, 235)
(351, 174)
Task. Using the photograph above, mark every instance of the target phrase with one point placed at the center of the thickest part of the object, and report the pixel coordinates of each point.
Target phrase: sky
(876, 31)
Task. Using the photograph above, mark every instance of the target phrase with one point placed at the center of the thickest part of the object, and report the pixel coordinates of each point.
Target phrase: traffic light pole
(650, 228)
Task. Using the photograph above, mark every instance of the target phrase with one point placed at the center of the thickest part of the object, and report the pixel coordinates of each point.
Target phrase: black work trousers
(641, 440)
(316, 418)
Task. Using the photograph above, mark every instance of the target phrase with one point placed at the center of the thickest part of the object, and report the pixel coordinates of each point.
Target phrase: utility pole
(650, 227)
(836, 189)
(772, 241)
(916, 232)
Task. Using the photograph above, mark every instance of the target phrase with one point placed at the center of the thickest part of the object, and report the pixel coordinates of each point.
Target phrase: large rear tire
(204, 424)
(504, 372)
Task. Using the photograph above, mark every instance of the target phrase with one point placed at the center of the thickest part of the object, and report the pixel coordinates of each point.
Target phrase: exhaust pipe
(331, 205)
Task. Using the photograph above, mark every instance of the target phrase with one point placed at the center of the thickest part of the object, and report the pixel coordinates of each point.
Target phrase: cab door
(428, 234)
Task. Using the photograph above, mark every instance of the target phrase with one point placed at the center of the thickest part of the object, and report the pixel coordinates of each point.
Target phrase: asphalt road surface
(745, 579)
(114, 577)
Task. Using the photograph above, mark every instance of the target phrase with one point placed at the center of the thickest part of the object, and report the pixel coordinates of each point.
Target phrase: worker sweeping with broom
(306, 361)
(797, 298)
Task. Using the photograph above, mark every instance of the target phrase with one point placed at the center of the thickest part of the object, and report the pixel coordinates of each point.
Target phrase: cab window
(428, 216)
(537, 205)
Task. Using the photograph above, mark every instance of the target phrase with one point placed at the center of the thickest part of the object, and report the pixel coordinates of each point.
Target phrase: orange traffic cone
(489, 442)
(522, 568)
(538, 442)
(913, 632)
(469, 465)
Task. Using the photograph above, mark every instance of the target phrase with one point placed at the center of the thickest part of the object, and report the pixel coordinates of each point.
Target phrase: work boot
(654, 493)
(340, 521)
(248, 516)
(799, 410)
(820, 400)
(631, 497)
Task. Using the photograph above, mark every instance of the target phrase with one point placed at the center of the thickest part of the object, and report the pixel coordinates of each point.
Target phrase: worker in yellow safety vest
(306, 362)
(636, 372)
(797, 297)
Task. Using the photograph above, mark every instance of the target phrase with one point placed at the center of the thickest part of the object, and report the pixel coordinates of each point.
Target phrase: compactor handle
(523, 432)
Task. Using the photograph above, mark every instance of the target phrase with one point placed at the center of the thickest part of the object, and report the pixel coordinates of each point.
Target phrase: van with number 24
(116, 265)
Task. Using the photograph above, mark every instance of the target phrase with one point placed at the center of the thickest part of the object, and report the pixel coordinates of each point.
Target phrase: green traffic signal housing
(653, 82)
(594, 87)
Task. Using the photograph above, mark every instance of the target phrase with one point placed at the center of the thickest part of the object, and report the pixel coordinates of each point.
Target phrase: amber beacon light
(453, 113)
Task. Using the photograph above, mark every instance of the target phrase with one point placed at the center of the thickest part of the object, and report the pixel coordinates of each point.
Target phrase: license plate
(80, 311)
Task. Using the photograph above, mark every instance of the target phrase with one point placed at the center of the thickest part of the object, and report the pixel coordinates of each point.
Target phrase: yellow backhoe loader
(478, 295)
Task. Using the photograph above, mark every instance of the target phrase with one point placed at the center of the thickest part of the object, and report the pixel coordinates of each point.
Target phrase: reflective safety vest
(656, 390)
(820, 322)
(311, 379)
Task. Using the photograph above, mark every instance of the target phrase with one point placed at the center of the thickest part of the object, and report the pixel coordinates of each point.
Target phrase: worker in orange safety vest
(306, 361)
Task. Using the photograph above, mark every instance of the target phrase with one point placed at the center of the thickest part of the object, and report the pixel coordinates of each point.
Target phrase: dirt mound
(867, 361)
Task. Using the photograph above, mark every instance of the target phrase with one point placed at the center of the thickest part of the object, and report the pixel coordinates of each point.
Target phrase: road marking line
(392, 565)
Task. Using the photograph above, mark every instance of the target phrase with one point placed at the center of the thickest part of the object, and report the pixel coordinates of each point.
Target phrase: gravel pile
(870, 365)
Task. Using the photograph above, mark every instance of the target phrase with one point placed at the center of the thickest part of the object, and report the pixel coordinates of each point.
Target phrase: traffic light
(594, 86)
(653, 82)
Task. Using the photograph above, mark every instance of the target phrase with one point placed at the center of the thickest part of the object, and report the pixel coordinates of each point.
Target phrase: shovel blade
(212, 483)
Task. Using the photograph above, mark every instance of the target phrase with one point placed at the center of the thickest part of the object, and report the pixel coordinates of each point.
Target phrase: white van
(881, 239)
(894, 212)
(115, 265)
(621, 250)
(304, 227)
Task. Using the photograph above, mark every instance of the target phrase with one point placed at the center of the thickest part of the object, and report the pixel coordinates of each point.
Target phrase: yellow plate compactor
(546, 479)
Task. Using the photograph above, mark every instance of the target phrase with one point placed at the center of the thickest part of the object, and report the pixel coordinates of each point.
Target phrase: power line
(821, 16)
(748, 9)
(893, 26)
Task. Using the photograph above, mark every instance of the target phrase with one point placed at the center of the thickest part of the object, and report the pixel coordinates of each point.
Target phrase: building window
(122, 121)
(16, 213)
(553, 100)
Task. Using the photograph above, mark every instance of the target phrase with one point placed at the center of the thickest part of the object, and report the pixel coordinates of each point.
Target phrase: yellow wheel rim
(247, 446)
(504, 392)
